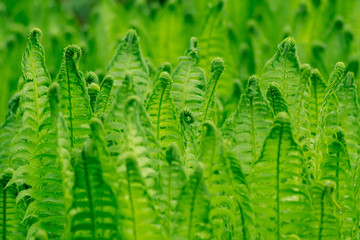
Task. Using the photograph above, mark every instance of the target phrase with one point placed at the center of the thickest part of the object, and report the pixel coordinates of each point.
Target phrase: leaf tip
(73, 51)
(217, 65)
(35, 35)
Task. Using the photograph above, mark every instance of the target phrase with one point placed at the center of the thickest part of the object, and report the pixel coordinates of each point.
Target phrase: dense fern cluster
(143, 155)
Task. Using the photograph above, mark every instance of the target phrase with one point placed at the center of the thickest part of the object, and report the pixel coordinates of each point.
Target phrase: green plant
(137, 152)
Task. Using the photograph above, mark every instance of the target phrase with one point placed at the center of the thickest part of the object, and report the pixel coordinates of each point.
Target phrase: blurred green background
(244, 32)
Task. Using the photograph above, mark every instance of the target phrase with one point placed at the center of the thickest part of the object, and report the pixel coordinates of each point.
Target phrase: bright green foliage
(247, 128)
(74, 102)
(189, 80)
(198, 151)
(276, 100)
(128, 59)
(284, 69)
(104, 99)
(277, 190)
(161, 109)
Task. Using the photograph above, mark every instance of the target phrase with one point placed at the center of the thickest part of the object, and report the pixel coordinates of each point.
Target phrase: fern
(247, 128)
(230, 211)
(277, 189)
(189, 80)
(276, 99)
(335, 167)
(93, 211)
(317, 96)
(74, 102)
(284, 69)
(173, 178)
(207, 108)
(93, 91)
(10, 213)
(104, 99)
(137, 216)
(33, 89)
(160, 106)
(192, 212)
(128, 59)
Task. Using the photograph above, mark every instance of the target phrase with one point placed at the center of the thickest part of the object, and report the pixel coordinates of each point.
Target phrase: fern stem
(322, 214)
(4, 213)
(131, 202)
(70, 105)
(169, 202)
(278, 183)
(253, 140)
(192, 209)
(93, 230)
(159, 113)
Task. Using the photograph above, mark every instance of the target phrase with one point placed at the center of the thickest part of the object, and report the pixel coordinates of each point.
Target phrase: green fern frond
(276, 99)
(74, 102)
(137, 216)
(93, 91)
(105, 98)
(278, 195)
(128, 59)
(335, 167)
(33, 88)
(189, 80)
(284, 69)
(94, 206)
(160, 106)
(190, 134)
(207, 111)
(317, 96)
(247, 128)
(11, 213)
(192, 212)
(173, 178)
(91, 77)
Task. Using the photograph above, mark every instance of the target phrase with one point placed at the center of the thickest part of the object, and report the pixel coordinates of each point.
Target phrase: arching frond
(207, 111)
(93, 91)
(278, 195)
(128, 59)
(189, 80)
(192, 212)
(74, 102)
(33, 88)
(105, 98)
(276, 99)
(284, 69)
(247, 128)
(160, 106)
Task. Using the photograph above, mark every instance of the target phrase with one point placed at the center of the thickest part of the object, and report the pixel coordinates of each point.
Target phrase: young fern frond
(160, 106)
(327, 224)
(189, 80)
(207, 111)
(128, 59)
(276, 99)
(33, 88)
(278, 195)
(91, 77)
(247, 128)
(172, 180)
(7, 131)
(93, 91)
(94, 206)
(317, 97)
(137, 216)
(74, 102)
(192, 212)
(284, 69)
(230, 211)
(104, 99)
(11, 214)
(335, 167)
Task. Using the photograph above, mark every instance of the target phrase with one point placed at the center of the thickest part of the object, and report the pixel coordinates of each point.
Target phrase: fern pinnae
(93, 91)
(104, 98)
(189, 80)
(160, 106)
(128, 59)
(276, 100)
(74, 102)
(207, 108)
(253, 112)
(33, 88)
